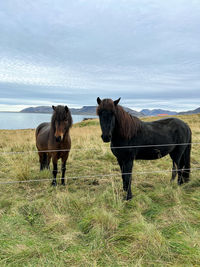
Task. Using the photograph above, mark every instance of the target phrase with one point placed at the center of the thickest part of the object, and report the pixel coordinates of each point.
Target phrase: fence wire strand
(96, 176)
(85, 149)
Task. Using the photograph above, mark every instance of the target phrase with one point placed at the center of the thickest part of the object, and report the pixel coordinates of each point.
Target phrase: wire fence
(99, 176)
(96, 176)
(91, 148)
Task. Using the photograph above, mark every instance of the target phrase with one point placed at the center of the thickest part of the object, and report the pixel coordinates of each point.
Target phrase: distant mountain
(91, 110)
(133, 112)
(195, 111)
(156, 112)
(85, 110)
(40, 109)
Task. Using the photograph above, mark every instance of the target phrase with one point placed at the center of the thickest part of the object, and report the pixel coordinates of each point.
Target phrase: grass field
(87, 222)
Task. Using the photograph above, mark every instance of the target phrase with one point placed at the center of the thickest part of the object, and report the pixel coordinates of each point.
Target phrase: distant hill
(195, 111)
(156, 112)
(91, 110)
(85, 110)
(133, 112)
(39, 109)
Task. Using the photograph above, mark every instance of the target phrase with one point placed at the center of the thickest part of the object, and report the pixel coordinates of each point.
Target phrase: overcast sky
(71, 51)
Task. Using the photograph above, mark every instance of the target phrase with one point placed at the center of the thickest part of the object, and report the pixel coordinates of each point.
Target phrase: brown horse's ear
(53, 107)
(117, 101)
(98, 100)
(66, 108)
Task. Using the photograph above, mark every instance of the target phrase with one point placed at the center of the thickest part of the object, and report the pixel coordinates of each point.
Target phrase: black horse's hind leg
(174, 171)
(55, 171)
(176, 156)
(63, 172)
(186, 163)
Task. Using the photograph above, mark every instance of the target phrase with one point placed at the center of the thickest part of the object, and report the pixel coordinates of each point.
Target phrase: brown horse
(54, 137)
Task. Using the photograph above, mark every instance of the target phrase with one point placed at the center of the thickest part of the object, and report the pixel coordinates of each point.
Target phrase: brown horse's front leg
(63, 172)
(55, 171)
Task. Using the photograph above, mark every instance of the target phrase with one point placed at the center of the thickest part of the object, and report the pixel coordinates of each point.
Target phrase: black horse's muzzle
(106, 138)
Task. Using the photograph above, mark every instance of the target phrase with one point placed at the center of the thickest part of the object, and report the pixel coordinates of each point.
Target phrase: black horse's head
(61, 121)
(106, 111)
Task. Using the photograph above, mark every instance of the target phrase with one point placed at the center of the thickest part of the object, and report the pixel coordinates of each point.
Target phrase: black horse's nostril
(58, 139)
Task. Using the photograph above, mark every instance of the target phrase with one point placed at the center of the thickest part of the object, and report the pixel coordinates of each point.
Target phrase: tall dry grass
(87, 222)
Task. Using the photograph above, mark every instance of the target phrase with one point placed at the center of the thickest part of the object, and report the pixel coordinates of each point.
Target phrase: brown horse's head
(61, 121)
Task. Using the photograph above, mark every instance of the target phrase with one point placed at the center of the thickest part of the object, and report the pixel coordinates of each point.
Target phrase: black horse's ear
(98, 100)
(117, 101)
(66, 108)
(53, 107)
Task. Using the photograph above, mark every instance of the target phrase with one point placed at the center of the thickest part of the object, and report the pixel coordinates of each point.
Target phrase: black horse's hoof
(63, 184)
(129, 197)
(180, 182)
(125, 188)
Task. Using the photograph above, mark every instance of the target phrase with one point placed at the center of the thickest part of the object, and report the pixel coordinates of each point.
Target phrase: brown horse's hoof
(54, 183)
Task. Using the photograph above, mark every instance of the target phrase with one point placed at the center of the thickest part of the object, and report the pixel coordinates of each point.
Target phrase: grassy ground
(87, 222)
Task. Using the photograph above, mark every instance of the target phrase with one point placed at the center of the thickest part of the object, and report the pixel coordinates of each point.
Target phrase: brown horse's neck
(128, 125)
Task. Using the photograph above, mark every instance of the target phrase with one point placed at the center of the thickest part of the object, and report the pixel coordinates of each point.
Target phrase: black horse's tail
(186, 161)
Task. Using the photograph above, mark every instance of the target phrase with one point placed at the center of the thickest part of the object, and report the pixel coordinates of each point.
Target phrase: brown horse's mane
(128, 125)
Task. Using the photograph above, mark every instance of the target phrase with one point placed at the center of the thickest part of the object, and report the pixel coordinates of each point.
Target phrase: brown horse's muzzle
(59, 134)
(58, 139)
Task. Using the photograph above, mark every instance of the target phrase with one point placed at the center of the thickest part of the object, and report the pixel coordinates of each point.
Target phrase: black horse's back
(167, 135)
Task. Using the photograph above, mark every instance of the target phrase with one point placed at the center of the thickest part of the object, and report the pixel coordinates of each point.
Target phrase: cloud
(77, 50)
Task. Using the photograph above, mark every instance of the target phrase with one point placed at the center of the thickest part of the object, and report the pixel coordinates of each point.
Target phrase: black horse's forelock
(106, 104)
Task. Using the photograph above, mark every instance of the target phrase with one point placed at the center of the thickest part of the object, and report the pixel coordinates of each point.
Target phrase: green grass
(87, 222)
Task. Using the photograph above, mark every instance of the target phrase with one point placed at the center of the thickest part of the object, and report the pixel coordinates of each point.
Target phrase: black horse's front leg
(55, 171)
(123, 178)
(127, 177)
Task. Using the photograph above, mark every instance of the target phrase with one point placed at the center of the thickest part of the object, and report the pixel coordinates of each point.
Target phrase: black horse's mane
(128, 125)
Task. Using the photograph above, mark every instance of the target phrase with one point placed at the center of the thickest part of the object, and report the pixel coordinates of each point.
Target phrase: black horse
(132, 139)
